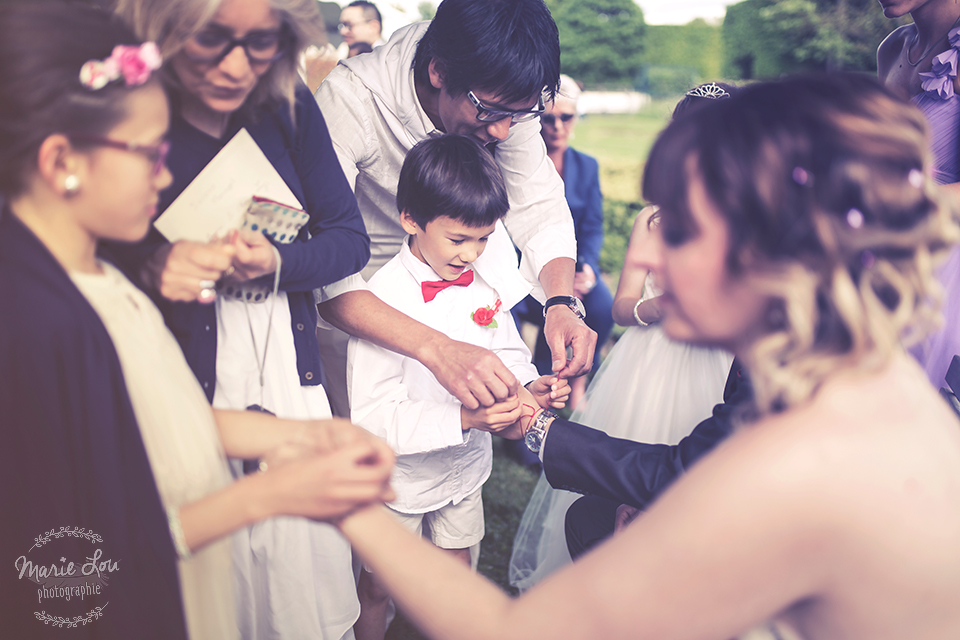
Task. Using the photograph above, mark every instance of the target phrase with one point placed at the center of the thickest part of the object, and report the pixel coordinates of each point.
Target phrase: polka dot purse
(278, 222)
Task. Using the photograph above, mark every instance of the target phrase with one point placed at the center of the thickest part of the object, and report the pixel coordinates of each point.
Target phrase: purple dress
(941, 105)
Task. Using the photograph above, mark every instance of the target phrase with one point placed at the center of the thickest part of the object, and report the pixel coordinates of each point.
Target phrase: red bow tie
(431, 288)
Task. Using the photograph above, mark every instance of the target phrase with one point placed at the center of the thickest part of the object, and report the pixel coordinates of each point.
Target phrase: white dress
(294, 577)
(648, 389)
(179, 434)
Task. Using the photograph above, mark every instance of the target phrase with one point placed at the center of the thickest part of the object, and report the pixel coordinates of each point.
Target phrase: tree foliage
(765, 38)
(601, 41)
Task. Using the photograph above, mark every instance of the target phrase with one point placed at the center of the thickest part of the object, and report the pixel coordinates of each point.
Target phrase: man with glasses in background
(360, 22)
(482, 68)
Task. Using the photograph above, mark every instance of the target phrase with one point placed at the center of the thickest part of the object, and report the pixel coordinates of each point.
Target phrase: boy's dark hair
(507, 47)
(370, 11)
(453, 176)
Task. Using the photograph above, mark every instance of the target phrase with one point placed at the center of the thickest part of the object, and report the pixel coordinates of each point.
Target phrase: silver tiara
(712, 91)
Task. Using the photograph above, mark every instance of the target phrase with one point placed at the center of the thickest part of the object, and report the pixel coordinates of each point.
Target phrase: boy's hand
(496, 418)
(550, 392)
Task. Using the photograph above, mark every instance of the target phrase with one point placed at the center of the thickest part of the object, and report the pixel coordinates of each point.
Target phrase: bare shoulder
(891, 48)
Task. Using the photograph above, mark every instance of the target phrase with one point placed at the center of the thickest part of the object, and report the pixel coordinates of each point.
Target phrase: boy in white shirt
(451, 196)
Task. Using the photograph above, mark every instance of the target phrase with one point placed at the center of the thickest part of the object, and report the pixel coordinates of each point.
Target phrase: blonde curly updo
(824, 184)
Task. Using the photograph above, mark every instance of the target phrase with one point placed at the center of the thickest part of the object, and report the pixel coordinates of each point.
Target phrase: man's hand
(474, 375)
(496, 418)
(185, 271)
(563, 329)
(550, 392)
(625, 515)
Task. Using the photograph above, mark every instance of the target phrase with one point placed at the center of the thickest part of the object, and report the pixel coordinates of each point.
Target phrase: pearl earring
(71, 185)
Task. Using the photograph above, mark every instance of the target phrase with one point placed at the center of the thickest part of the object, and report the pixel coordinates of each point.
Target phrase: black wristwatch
(533, 438)
(575, 304)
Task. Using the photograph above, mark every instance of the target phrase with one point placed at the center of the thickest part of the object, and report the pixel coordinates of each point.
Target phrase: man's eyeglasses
(212, 45)
(486, 114)
(348, 26)
(156, 154)
(551, 119)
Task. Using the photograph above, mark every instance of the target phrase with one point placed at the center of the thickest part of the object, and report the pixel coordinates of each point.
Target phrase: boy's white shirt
(374, 116)
(399, 400)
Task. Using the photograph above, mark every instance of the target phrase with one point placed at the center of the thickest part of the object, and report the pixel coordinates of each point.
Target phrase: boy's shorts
(452, 526)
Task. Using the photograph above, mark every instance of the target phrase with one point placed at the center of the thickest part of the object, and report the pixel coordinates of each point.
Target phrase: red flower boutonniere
(484, 316)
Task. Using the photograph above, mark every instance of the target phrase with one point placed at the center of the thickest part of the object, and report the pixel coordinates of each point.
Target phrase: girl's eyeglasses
(551, 119)
(156, 154)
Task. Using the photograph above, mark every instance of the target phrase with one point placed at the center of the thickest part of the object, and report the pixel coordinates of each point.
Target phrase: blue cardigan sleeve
(582, 185)
(338, 244)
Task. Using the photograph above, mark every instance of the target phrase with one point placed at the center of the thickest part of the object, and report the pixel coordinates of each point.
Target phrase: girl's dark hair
(824, 185)
(508, 47)
(43, 44)
(453, 176)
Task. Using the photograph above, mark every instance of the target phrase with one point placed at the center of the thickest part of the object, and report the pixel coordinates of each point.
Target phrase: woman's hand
(328, 486)
(254, 255)
(186, 271)
(584, 281)
(550, 391)
(316, 437)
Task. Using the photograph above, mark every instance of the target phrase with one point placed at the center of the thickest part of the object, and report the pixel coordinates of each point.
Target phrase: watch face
(580, 310)
(532, 440)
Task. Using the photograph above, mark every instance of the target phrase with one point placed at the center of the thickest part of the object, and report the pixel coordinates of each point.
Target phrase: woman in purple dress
(919, 62)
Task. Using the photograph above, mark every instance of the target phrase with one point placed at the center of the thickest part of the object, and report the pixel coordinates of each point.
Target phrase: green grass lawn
(620, 144)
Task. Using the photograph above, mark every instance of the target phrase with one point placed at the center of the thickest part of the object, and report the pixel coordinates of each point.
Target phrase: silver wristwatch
(575, 304)
(533, 438)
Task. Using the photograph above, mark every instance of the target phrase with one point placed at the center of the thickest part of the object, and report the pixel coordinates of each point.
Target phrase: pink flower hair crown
(132, 63)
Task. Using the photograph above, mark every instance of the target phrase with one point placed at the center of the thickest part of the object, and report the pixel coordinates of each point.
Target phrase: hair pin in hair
(915, 178)
(133, 63)
(801, 176)
(712, 91)
(855, 218)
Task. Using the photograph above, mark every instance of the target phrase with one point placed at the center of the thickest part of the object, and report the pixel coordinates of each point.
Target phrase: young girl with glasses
(96, 392)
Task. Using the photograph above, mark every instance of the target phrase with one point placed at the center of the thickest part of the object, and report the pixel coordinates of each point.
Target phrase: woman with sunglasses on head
(96, 393)
(250, 339)
(799, 229)
(581, 185)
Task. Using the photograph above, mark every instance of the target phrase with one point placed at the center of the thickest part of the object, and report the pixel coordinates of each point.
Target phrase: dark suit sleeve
(578, 458)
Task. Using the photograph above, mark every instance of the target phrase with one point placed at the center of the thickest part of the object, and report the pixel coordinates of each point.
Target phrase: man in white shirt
(452, 197)
(481, 68)
(360, 21)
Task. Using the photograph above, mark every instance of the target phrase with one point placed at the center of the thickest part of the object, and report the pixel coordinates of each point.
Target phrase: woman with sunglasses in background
(242, 308)
(581, 186)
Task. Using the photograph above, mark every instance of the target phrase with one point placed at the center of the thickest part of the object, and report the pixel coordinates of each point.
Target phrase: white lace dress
(648, 389)
(294, 577)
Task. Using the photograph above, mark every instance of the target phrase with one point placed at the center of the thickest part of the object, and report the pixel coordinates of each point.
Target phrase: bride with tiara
(648, 389)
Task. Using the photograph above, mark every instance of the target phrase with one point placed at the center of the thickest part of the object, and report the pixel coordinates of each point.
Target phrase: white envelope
(215, 202)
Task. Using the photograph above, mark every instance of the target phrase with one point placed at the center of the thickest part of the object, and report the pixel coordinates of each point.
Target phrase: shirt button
(206, 328)
(309, 375)
(206, 385)
(299, 326)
